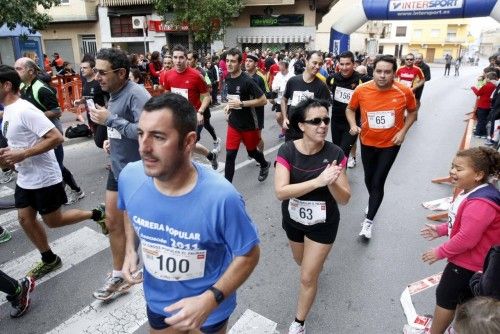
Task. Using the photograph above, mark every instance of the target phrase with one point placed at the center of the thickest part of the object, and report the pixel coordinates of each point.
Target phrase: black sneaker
(264, 172)
(22, 301)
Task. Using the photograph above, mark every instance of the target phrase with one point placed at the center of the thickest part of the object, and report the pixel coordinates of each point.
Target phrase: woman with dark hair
(310, 180)
(136, 76)
(155, 67)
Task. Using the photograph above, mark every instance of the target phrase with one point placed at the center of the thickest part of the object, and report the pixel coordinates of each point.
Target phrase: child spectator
(473, 226)
(484, 103)
(478, 316)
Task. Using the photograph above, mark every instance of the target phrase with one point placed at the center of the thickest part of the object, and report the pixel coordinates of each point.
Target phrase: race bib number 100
(173, 264)
(381, 119)
(307, 212)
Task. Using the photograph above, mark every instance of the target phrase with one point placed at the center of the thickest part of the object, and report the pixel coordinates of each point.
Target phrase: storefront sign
(276, 20)
(160, 26)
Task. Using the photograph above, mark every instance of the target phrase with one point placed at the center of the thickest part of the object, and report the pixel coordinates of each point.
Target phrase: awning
(274, 39)
(110, 3)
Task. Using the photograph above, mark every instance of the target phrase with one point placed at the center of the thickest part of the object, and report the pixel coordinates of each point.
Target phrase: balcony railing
(113, 3)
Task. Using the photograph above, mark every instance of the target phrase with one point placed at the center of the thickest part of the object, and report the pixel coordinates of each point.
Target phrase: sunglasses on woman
(318, 120)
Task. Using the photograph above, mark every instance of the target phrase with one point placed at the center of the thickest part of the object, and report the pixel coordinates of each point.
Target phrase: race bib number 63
(173, 264)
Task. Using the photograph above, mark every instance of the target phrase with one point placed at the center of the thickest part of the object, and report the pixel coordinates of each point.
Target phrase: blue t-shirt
(187, 241)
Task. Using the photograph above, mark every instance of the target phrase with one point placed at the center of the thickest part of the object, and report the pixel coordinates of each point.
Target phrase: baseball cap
(253, 57)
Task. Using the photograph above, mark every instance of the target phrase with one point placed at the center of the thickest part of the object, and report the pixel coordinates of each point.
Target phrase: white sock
(117, 273)
(368, 221)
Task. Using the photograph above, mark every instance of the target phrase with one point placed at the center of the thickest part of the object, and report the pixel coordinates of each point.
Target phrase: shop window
(400, 31)
(121, 26)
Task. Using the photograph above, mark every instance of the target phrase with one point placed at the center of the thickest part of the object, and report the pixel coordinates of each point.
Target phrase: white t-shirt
(279, 84)
(23, 125)
(453, 210)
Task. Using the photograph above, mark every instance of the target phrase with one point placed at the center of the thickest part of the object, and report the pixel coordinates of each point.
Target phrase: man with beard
(195, 256)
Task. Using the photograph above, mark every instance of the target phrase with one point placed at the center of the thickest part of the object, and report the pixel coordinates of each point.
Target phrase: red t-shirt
(275, 68)
(408, 76)
(189, 84)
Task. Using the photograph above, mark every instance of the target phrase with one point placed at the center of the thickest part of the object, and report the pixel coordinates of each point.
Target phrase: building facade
(436, 38)
(490, 42)
(278, 24)
(74, 30)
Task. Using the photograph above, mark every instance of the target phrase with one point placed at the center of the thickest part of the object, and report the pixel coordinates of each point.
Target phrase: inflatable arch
(362, 11)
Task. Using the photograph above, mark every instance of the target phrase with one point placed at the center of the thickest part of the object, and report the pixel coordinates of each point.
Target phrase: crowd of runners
(183, 230)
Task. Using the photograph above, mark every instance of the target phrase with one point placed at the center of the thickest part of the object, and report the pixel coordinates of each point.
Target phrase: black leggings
(342, 138)
(8, 285)
(206, 125)
(231, 158)
(377, 163)
(66, 174)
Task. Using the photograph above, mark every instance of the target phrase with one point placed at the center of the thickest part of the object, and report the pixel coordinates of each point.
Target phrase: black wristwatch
(219, 296)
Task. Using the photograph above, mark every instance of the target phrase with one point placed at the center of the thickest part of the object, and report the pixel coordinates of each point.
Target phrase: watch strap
(219, 296)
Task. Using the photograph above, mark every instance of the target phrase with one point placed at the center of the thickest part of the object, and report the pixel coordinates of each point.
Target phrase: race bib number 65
(173, 264)
(381, 119)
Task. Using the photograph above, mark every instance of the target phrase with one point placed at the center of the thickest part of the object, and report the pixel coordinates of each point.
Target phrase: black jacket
(488, 283)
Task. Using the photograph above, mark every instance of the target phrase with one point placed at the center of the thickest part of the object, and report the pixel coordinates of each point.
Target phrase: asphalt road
(361, 284)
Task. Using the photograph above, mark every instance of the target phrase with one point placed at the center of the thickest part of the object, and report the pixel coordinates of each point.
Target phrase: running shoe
(351, 162)
(214, 161)
(22, 301)
(264, 172)
(74, 196)
(366, 230)
(281, 135)
(41, 268)
(296, 328)
(112, 286)
(217, 145)
(7, 176)
(5, 236)
(490, 142)
(102, 219)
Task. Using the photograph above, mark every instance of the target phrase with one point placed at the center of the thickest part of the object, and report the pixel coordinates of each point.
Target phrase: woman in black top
(310, 179)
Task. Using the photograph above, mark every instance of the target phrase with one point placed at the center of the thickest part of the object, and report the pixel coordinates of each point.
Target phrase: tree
(206, 19)
(25, 13)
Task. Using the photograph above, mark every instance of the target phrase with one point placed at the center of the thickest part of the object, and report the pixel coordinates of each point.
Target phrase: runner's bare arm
(130, 261)
(48, 142)
(205, 102)
(284, 190)
(193, 311)
(340, 188)
(411, 117)
(284, 106)
(351, 118)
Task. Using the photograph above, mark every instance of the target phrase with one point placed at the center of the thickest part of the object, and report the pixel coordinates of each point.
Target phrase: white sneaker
(217, 145)
(351, 162)
(366, 230)
(296, 328)
(74, 196)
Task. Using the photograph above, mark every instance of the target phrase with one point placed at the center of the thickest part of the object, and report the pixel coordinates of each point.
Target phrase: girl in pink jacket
(473, 227)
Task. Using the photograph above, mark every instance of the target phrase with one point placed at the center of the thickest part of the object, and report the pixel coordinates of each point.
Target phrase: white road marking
(72, 248)
(9, 221)
(125, 314)
(253, 323)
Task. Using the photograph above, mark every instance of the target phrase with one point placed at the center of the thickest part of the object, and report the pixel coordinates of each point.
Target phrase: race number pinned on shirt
(232, 97)
(181, 91)
(407, 83)
(299, 96)
(173, 264)
(381, 119)
(342, 94)
(307, 212)
(113, 134)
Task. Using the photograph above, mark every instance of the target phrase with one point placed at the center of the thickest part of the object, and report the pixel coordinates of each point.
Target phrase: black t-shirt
(297, 90)
(244, 88)
(260, 110)
(307, 167)
(92, 90)
(342, 89)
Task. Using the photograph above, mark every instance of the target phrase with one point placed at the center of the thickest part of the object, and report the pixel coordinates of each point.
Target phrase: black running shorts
(43, 200)
(453, 289)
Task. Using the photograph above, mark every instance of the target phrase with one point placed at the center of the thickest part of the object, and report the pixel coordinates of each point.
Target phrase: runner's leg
(441, 320)
(33, 229)
(115, 225)
(313, 259)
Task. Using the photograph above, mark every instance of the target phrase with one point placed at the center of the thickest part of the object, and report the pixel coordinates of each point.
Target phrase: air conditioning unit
(138, 22)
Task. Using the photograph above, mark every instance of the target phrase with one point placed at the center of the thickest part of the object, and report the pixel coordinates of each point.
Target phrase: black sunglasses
(318, 120)
(409, 59)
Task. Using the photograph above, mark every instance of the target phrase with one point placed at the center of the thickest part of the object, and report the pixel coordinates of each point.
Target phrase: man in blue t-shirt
(198, 243)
